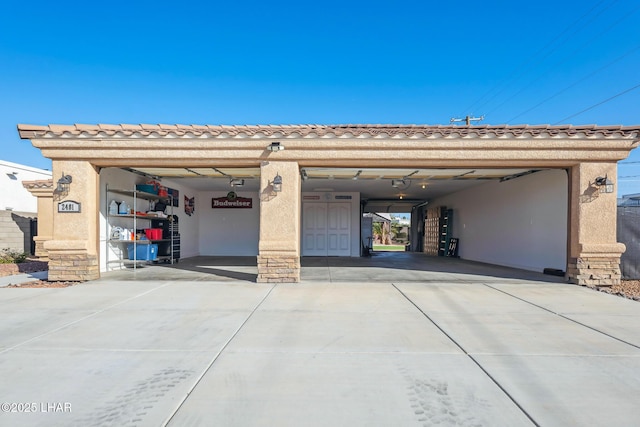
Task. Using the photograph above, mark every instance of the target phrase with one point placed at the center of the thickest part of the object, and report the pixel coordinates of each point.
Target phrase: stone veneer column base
(41, 252)
(278, 269)
(72, 267)
(594, 271)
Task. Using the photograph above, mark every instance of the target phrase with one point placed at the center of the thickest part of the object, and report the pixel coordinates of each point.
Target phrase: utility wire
(598, 104)
(574, 84)
(517, 71)
(566, 58)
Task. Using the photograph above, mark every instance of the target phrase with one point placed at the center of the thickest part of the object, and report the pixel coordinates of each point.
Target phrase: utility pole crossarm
(467, 119)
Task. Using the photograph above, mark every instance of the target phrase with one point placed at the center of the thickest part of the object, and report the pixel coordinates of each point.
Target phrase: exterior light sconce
(277, 183)
(605, 184)
(275, 146)
(303, 174)
(396, 183)
(236, 182)
(63, 184)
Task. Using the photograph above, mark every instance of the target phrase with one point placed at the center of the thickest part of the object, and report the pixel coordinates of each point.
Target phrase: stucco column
(594, 253)
(73, 251)
(43, 191)
(279, 246)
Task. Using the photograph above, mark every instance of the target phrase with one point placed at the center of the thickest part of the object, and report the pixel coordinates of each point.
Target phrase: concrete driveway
(470, 350)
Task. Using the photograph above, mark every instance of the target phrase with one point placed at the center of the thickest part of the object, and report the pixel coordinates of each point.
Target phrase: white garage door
(326, 229)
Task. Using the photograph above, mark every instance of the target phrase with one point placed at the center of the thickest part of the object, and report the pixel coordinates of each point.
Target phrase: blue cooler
(143, 252)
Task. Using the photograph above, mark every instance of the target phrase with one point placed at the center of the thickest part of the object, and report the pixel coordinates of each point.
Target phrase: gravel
(628, 289)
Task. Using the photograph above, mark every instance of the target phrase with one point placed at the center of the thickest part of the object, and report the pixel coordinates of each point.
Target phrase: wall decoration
(189, 205)
(231, 201)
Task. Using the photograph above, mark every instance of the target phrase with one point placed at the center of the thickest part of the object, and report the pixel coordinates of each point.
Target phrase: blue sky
(282, 62)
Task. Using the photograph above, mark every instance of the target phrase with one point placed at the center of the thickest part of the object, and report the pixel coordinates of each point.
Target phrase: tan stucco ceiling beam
(253, 145)
(357, 158)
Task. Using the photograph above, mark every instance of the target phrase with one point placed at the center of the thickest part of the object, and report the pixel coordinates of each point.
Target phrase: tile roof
(41, 183)
(311, 131)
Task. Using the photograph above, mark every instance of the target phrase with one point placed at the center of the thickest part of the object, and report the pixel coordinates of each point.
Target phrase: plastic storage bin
(143, 252)
(147, 188)
(153, 233)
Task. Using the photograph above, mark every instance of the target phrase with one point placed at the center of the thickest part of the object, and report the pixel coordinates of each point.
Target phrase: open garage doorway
(509, 217)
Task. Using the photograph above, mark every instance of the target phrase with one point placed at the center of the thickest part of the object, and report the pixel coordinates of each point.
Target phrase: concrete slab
(613, 315)
(23, 278)
(571, 390)
(99, 387)
(149, 347)
(346, 389)
(344, 318)
(484, 320)
(569, 299)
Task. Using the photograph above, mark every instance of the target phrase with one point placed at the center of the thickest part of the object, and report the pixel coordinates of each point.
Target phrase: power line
(517, 72)
(567, 57)
(574, 84)
(598, 104)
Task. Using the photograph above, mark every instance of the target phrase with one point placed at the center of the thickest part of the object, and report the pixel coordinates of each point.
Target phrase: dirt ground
(23, 267)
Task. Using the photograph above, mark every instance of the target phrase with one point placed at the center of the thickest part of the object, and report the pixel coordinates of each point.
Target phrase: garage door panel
(326, 229)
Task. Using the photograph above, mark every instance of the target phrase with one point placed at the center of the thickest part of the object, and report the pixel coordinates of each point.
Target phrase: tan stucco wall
(594, 253)
(74, 248)
(279, 244)
(43, 191)
(588, 151)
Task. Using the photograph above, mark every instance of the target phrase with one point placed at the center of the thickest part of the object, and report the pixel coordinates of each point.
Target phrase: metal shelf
(135, 195)
(139, 194)
(138, 241)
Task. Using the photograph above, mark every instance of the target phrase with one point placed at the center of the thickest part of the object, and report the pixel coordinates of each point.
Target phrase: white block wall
(519, 223)
(14, 196)
(228, 232)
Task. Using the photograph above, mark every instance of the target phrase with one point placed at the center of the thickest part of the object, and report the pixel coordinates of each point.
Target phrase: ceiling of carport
(373, 184)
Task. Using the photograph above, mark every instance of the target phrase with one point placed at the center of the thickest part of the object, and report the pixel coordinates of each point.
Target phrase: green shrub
(9, 256)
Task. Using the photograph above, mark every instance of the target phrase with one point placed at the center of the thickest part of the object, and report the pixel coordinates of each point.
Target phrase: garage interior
(389, 190)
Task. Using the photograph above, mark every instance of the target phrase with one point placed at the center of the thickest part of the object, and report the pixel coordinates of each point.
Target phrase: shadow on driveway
(381, 267)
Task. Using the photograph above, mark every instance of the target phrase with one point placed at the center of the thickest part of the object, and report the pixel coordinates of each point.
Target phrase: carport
(381, 267)
(522, 196)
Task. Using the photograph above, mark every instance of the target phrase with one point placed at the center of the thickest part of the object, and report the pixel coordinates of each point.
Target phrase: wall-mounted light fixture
(275, 146)
(63, 184)
(236, 182)
(396, 183)
(277, 183)
(303, 174)
(605, 184)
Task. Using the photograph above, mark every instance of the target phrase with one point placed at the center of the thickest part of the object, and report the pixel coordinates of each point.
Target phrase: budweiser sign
(232, 201)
